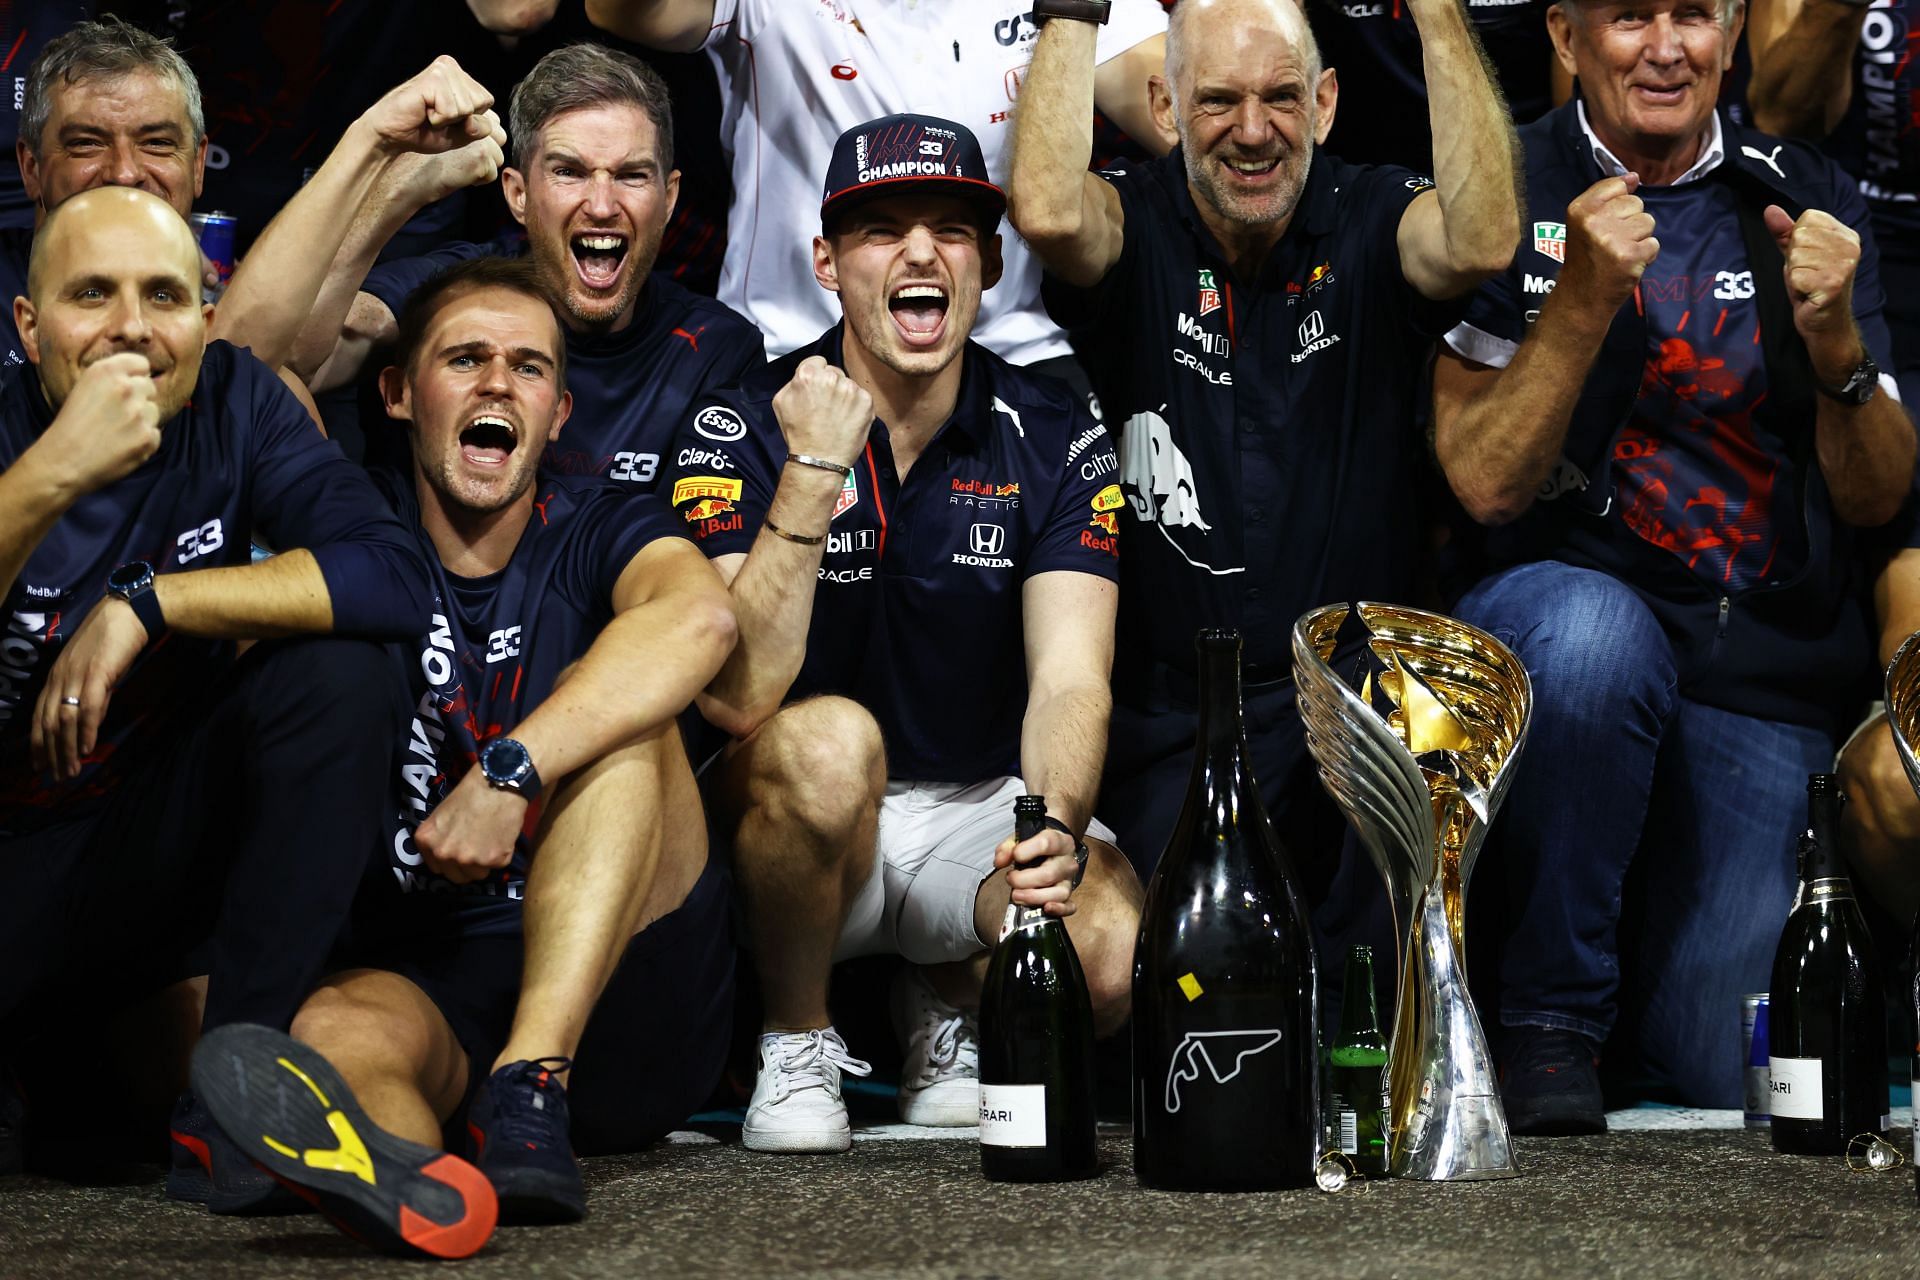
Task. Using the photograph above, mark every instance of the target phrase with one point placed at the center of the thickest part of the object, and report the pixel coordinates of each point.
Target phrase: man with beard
(593, 184)
(162, 806)
(541, 791)
(920, 540)
(1672, 413)
(1256, 315)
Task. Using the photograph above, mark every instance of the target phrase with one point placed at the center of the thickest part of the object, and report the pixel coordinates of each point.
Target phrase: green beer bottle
(1359, 1075)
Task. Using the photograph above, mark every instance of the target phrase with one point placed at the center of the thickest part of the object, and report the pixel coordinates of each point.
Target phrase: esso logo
(845, 71)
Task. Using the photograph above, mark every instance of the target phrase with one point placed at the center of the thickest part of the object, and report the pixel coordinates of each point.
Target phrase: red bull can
(215, 232)
(1759, 1073)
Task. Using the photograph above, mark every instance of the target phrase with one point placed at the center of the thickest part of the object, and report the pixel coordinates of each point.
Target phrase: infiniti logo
(988, 539)
(1311, 328)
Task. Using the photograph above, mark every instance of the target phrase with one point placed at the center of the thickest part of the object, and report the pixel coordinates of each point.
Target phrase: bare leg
(805, 790)
(1881, 827)
(392, 1047)
(1103, 929)
(621, 845)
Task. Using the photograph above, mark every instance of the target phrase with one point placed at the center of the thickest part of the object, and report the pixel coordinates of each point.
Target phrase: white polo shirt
(796, 74)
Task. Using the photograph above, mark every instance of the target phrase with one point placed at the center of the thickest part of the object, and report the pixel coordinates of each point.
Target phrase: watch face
(504, 761)
(130, 577)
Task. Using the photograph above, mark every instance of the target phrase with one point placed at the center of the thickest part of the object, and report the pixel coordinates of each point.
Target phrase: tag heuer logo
(1209, 293)
(1550, 238)
(849, 495)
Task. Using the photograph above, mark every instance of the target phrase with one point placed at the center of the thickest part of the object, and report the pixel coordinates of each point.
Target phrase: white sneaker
(940, 1079)
(796, 1099)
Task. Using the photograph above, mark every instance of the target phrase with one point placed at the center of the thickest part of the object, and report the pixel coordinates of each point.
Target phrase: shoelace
(534, 1114)
(954, 1039)
(813, 1055)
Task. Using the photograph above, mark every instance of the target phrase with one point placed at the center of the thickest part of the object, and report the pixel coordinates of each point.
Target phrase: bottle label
(1829, 889)
(1349, 1132)
(1795, 1089)
(1013, 1115)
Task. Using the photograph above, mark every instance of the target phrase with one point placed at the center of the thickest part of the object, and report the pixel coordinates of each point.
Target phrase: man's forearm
(1053, 132)
(1501, 444)
(1063, 745)
(33, 497)
(274, 293)
(642, 670)
(1866, 455)
(1801, 81)
(281, 596)
(773, 602)
(1475, 148)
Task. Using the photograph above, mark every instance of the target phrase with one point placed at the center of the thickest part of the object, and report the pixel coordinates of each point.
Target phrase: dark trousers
(232, 847)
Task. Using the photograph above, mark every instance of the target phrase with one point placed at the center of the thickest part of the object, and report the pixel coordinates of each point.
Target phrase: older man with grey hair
(1671, 412)
(1256, 315)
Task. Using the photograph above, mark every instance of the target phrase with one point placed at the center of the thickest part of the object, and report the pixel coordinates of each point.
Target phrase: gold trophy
(1903, 704)
(1419, 756)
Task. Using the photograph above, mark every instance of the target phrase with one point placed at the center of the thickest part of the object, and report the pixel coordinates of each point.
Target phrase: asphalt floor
(1675, 1202)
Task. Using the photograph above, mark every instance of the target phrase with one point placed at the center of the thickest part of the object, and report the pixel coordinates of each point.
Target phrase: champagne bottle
(1226, 1084)
(1828, 1052)
(1036, 1045)
(1359, 1062)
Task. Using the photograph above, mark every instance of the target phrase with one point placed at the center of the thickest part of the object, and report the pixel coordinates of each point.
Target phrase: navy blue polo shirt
(1269, 450)
(16, 246)
(242, 458)
(494, 650)
(631, 389)
(1375, 46)
(917, 611)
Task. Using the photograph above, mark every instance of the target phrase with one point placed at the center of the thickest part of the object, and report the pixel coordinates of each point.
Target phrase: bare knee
(1105, 926)
(817, 766)
(346, 1030)
(1882, 822)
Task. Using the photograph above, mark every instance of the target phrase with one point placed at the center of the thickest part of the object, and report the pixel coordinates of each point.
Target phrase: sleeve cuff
(1480, 346)
(375, 592)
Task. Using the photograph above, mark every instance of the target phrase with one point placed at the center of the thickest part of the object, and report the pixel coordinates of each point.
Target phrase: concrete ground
(1670, 1203)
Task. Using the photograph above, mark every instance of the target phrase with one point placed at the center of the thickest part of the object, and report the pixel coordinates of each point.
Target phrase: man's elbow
(1490, 504)
(515, 17)
(1043, 220)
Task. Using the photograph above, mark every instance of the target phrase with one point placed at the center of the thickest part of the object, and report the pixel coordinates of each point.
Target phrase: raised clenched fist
(109, 423)
(1822, 255)
(441, 109)
(823, 413)
(1609, 241)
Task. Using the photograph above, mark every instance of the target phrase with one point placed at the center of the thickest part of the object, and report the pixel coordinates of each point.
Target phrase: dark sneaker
(205, 1167)
(1550, 1083)
(13, 1125)
(287, 1109)
(518, 1120)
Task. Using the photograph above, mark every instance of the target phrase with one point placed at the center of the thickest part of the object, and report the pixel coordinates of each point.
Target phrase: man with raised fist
(165, 810)
(1670, 413)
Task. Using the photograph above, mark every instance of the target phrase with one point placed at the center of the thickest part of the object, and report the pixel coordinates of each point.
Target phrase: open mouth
(1665, 94)
(1252, 170)
(488, 441)
(597, 257)
(919, 312)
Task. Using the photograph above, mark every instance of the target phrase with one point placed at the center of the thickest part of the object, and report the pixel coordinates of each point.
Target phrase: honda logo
(1312, 328)
(988, 539)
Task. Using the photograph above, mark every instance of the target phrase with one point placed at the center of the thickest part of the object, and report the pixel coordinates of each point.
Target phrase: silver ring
(69, 702)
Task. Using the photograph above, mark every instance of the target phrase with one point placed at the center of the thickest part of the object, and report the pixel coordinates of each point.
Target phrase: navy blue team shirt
(631, 389)
(242, 459)
(1271, 456)
(492, 654)
(917, 612)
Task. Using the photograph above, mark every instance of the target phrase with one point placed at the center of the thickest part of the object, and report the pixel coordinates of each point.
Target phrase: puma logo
(1766, 159)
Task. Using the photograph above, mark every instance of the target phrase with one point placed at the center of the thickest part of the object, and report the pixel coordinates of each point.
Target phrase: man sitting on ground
(540, 790)
(920, 543)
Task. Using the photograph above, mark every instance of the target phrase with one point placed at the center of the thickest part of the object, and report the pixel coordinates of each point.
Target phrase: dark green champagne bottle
(1827, 1016)
(1036, 1045)
(1359, 1061)
(1226, 1041)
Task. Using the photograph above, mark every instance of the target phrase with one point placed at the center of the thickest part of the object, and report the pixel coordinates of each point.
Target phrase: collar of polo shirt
(1710, 158)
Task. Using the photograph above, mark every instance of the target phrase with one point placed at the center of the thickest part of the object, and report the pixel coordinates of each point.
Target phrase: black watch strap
(1859, 387)
(133, 582)
(1094, 11)
(146, 607)
(1080, 851)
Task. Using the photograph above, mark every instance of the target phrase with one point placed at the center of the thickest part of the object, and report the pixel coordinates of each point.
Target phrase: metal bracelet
(801, 538)
(821, 463)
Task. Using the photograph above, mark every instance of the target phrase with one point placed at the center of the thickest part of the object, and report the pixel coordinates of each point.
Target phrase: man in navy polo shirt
(593, 184)
(540, 788)
(1671, 410)
(138, 460)
(1256, 315)
(920, 540)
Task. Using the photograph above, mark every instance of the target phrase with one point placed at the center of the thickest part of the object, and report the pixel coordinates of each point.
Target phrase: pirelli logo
(693, 487)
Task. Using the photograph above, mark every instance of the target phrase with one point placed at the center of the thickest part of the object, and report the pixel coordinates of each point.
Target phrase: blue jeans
(1620, 770)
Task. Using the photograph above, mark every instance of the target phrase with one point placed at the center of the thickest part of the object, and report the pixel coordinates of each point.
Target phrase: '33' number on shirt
(199, 542)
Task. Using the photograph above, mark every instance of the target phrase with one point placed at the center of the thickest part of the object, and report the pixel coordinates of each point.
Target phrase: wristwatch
(133, 582)
(1094, 11)
(506, 766)
(1859, 386)
(1080, 850)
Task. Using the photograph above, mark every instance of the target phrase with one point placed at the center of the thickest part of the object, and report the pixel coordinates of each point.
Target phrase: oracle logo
(845, 71)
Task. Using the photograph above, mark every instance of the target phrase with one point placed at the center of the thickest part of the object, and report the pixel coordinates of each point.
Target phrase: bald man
(1256, 315)
(157, 797)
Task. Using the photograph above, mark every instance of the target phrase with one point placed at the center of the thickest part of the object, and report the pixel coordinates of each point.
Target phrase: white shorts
(935, 846)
